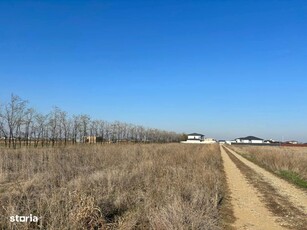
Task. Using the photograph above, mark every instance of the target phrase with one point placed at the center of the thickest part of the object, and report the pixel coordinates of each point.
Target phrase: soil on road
(257, 199)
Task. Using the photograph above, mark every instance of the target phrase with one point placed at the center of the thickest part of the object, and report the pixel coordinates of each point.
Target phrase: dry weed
(278, 158)
(154, 186)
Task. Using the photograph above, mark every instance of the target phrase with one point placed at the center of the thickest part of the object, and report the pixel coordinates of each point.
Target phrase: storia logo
(24, 219)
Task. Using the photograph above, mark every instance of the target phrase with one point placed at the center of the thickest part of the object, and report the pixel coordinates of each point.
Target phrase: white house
(249, 140)
(210, 140)
(195, 138)
(292, 142)
(198, 138)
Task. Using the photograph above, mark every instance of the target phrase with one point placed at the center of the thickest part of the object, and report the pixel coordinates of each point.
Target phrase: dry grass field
(152, 186)
(288, 162)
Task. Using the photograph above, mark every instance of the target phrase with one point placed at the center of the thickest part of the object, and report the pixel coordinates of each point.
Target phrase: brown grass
(166, 186)
(277, 159)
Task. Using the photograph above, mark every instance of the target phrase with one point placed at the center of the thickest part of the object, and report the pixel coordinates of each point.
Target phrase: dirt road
(261, 200)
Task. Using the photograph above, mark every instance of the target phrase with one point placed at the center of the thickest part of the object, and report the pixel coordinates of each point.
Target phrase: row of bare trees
(23, 125)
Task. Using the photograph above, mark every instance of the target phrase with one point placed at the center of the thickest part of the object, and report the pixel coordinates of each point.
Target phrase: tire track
(250, 212)
(296, 196)
(289, 214)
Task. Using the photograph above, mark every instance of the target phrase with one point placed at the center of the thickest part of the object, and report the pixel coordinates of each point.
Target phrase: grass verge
(293, 178)
(286, 163)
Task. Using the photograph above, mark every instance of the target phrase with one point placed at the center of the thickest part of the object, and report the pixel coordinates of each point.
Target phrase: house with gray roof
(195, 137)
(249, 140)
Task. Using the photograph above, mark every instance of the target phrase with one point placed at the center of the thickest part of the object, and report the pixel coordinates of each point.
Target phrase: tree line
(23, 125)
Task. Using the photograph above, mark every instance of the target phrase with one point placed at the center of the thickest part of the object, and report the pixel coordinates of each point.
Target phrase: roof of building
(195, 134)
(250, 138)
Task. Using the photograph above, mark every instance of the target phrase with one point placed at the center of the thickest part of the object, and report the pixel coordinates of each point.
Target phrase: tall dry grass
(161, 186)
(278, 159)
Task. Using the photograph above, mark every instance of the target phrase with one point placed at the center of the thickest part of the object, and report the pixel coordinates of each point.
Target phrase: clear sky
(222, 68)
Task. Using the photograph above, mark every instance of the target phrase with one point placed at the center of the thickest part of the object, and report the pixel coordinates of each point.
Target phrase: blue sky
(222, 68)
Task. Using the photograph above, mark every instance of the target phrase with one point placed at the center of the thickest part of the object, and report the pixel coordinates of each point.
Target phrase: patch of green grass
(293, 177)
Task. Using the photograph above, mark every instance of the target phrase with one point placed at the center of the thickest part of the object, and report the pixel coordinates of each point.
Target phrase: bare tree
(76, 126)
(39, 130)
(3, 130)
(65, 125)
(84, 126)
(53, 125)
(28, 122)
(13, 117)
(17, 122)
(101, 126)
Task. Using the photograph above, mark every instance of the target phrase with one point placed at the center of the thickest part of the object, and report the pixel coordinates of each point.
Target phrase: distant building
(222, 141)
(198, 138)
(195, 137)
(90, 139)
(292, 142)
(271, 141)
(210, 140)
(249, 140)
